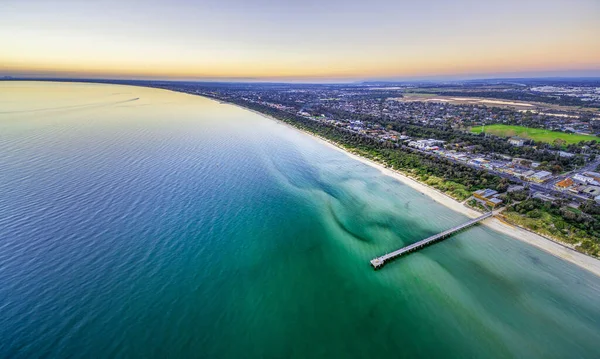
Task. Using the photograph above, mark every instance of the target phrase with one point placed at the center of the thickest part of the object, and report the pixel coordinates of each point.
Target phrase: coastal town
(548, 161)
(367, 110)
(580, 184)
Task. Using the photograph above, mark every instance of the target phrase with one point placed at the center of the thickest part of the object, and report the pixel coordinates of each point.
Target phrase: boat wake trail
(75, 107)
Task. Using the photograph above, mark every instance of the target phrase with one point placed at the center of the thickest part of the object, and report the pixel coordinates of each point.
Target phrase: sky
(299, 39)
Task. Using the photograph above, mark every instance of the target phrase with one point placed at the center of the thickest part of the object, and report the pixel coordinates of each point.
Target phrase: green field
(536, 134)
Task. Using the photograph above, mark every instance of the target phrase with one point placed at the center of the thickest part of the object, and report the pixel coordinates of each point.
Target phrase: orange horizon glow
(564, 38)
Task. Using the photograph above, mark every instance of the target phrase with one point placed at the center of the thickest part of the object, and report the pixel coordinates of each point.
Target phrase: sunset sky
(299, 39)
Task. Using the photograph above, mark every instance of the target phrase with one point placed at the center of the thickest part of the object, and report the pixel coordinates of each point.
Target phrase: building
(515, 188)
(576, 189)
(525, 163)
(583, 179)
(528, 174)
(516, 141)
(540, 176)
(594, 175)
(565, 184)
(479, 161)
(592, 191)
(565, 154)
(429, 144)
(488, 197)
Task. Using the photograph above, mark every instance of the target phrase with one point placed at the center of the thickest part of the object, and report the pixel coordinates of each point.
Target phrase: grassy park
(536, 134)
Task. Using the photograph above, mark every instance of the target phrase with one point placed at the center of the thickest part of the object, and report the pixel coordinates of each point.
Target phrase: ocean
(143, 223)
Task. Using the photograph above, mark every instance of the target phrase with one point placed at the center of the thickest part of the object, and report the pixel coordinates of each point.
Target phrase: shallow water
(138, 222)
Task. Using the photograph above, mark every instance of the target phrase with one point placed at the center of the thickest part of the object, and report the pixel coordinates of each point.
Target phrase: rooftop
(486, 193)
(542, 174)
(566, 183)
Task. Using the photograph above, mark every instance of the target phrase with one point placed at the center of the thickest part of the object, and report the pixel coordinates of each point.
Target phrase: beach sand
(556, 249)
(586, 262)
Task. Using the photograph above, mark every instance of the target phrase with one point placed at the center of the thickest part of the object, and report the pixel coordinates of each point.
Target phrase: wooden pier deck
(381, 261)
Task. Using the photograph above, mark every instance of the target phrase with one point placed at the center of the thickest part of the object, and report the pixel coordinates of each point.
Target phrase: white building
(429, 144)
(565, 154)
(541, 176)
(583, 179)
(594, 175)
(516, 141)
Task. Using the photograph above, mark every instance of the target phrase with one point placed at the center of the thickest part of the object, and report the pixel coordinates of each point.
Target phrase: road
(547, 188)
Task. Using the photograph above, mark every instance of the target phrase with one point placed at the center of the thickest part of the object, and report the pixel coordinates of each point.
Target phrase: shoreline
(558, 250)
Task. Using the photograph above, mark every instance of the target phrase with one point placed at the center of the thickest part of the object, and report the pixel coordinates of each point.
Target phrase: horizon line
(287, 81)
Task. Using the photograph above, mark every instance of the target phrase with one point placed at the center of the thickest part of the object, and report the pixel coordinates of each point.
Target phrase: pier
(381, 261)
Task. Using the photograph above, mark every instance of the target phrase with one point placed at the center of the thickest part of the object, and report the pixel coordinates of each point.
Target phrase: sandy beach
(556, 249)
(586, 262)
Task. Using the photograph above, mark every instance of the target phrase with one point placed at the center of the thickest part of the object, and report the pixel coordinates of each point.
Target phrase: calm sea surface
(144, 223)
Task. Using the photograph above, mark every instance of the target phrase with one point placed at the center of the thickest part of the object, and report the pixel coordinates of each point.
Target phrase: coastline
(558, 250)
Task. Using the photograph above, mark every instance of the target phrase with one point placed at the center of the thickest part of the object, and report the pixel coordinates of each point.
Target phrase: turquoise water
(143, 223)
